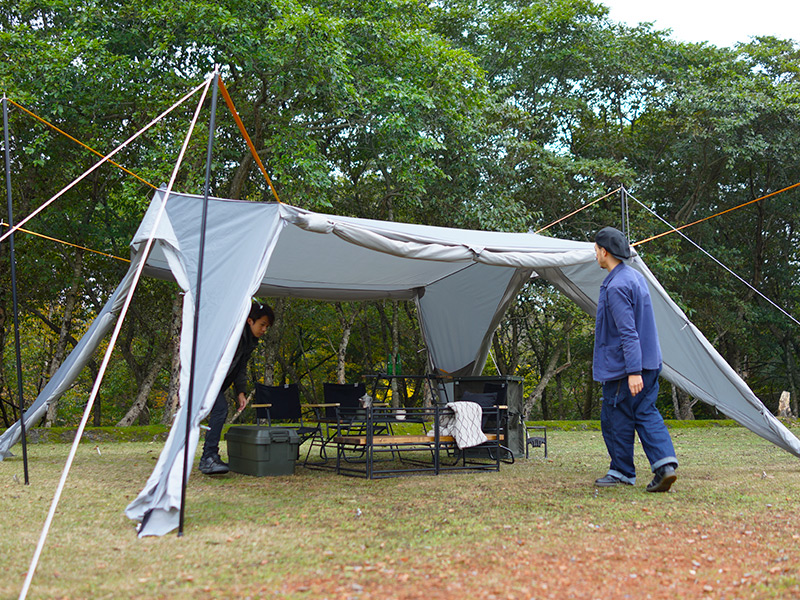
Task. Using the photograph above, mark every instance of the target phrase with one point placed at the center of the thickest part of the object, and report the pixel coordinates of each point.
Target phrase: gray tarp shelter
(462, 282)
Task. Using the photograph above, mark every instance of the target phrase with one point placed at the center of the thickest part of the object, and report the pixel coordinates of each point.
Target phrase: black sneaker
(610, 481)
(212, 465)
(664, 478)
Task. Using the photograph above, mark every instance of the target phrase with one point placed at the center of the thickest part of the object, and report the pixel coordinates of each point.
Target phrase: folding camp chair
(343, 413)
(342, 402)
(282, 403)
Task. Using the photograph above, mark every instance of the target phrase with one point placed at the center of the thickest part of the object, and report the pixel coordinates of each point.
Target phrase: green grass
(319, 535)
(156, 433)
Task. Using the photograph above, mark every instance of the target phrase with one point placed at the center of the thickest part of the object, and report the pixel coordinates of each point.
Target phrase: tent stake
(14, 290)
(190, 395)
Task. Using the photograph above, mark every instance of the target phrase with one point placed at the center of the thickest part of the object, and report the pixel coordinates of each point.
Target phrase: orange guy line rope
(80, 143)
(673, 230)
(100, 163)
(575, 212)
(232, 108)
(52, 239)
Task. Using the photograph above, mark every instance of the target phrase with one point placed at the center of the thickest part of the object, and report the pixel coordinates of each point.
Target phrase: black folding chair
(344, 412)
(342, 401)
(282, 403)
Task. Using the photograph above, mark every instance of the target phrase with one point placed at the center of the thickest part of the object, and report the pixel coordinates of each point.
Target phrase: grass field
(730, 528)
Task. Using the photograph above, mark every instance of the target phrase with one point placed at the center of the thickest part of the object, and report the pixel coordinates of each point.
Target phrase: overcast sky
(716, 21)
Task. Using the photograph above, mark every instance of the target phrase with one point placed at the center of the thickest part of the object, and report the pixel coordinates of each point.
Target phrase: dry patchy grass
(536, 529)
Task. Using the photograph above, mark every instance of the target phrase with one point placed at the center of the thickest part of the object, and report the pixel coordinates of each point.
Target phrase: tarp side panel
(69, 370)
(457, 313)
(239, 242)
(692, 359)
(570, 289)
(521, 276)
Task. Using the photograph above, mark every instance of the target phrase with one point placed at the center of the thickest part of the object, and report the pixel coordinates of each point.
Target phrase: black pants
(216, 419)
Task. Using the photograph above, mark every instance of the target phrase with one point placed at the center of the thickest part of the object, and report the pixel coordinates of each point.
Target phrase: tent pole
(14, 290)
(190, 394)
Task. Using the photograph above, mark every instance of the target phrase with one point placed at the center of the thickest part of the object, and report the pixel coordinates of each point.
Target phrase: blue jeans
(623, 415)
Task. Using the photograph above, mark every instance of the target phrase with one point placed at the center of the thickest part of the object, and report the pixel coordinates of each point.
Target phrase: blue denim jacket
(626, 338)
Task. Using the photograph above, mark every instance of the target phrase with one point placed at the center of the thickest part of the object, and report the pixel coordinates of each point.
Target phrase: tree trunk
(140, 403)
(507, 362)
(545, 406)
(144, 372)
(791, 372)
(173, 389)
(346, 322)
(271, 346)
(682, 404)
(239, 178)
(395, 353)
(588, 398)
(7, 420)
(550, 371)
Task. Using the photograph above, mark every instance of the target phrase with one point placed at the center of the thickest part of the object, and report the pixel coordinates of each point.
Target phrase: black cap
(614, 241)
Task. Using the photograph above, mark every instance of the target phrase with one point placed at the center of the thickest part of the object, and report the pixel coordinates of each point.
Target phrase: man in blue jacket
(627, 361)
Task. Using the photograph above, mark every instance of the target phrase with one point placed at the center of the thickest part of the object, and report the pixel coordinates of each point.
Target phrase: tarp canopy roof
(461, 280)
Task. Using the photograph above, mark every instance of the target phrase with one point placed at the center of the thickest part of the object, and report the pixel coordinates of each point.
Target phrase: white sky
(722, 23)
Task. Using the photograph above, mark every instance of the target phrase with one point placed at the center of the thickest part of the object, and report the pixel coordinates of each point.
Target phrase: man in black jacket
(259, 320)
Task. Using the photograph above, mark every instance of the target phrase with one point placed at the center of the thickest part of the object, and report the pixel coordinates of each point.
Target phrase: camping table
(357, 453)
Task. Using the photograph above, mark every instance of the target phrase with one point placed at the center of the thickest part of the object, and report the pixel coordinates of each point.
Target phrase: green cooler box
(260, 451)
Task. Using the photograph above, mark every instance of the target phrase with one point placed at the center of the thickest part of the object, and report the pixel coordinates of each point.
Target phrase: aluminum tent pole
(14, 290)
(198, 289)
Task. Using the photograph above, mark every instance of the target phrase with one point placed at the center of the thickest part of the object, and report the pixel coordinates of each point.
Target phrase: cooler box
(260, 451)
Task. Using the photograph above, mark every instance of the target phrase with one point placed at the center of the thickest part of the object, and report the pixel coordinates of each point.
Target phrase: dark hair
(258, 310)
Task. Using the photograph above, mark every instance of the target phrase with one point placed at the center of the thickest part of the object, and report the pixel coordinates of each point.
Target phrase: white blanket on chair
(462, 420)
